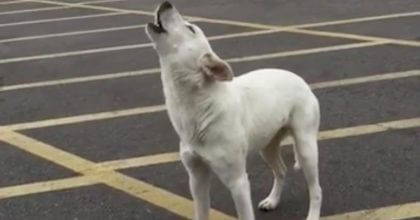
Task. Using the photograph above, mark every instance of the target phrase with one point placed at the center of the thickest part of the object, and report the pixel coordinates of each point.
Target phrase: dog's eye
(191, 28)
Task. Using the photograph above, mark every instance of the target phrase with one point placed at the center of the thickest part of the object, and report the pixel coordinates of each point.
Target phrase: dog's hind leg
(296, 166)
(272, 156)
(199, 180)
(305, 129)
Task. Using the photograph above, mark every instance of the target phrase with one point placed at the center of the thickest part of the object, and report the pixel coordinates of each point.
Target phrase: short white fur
(221, 119)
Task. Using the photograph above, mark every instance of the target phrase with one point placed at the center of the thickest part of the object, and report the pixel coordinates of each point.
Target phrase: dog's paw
(267, 204)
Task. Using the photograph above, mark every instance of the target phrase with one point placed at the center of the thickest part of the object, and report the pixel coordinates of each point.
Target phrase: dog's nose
(164, 6)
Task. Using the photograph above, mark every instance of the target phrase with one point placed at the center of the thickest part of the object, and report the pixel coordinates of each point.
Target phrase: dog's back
(269, 98)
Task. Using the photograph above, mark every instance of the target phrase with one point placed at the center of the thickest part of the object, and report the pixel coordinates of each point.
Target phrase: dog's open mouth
(157, 26)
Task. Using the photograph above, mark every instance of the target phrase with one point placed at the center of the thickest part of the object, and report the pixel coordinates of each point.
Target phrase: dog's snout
(164, 7)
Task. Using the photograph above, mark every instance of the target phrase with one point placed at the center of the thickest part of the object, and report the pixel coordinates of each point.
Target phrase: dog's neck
(193, 103)
(187, 84)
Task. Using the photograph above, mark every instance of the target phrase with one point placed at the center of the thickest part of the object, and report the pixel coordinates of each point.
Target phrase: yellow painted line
(255, 25)
(95, 2)
(107, 49)
(369, 129)
(47, 186)
(365, 79)
(162, 198)
(232, 60)
(358, 20)
(323, 135)
(45, 151)
(95, 7)
(271, 28)
(48, 20)
(150, 71)
(306, 51)
(245, 34)
(142, 190)
(73, 53)
(354, 37)
(21, 11)
(53, 7)
(86, 118)
(103, 172)
(295, 29)
(402, 211)
(159, 108)
(138, 161)
(12, 2)
(114, 48)
(72, 33)
(79, 79)
(249, 24)
(156, 70)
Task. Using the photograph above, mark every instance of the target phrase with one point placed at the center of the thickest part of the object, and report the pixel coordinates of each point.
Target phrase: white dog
(220, 119)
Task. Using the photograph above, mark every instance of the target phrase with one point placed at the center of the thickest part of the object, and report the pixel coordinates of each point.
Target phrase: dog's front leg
(233, 175)
(199, 180)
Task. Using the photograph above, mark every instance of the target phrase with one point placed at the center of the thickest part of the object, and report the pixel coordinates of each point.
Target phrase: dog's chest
(181, 119)
(191, 122)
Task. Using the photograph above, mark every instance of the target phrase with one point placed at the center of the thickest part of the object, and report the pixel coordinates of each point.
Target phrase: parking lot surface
(84, 134)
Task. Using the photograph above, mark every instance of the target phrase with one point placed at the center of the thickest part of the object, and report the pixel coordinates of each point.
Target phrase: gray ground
(357, 173)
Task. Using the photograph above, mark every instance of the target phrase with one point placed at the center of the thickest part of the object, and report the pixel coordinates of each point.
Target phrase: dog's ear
(215, 68)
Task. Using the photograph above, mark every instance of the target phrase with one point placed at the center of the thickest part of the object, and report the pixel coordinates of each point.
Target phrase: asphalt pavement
(84, 134)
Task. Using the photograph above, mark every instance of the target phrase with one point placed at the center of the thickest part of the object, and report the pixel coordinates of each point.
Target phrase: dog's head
(182, 44)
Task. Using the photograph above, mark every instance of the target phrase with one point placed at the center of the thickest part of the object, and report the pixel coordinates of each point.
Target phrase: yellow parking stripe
(60, 19)
(12, 2)
(323, 135)
(243, 24)
(359, 20)
(158, 197)
(72, 33)
(142, 190)
(79, 79)
(354, 37)
(305, 51)
(138, 161)
(86, 118)
(370, 129)
(102, 173)
(159, 108)
(366, 79)
(47, 186)
(402, 211)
